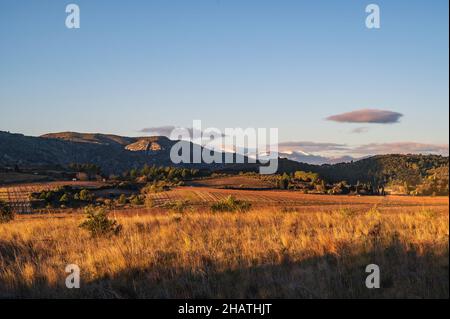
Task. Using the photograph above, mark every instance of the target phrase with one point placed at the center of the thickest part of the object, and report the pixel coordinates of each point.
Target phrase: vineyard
(18, 196)
(204, 196)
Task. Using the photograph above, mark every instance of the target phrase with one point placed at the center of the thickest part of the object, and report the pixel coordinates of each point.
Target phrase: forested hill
(393, 174)
(382, 169)
(117, 154)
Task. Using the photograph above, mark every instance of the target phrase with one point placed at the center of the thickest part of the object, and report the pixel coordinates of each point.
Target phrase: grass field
(289, 245)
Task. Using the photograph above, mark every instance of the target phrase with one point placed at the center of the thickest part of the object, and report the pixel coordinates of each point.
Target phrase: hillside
(106, 151)
(104, 139)
(115, 154)
(135, 144)
(383, 169)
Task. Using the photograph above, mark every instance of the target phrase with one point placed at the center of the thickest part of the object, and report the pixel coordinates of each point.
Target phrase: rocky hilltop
(147, 144)
(113, 153)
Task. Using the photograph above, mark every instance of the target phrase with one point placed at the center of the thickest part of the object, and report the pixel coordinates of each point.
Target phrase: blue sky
(230, 63)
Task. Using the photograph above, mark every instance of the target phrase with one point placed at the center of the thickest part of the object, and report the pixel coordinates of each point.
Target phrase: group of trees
(89, 171)
(86, 168)
(64, 196)
(383, 169)
(161, 173)
(86, 171)
(435, 181)
(300, 180)
(378, 175)
(68, 197)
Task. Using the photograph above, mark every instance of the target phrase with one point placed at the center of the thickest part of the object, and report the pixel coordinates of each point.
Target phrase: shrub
(230, 204)
(85, 195)
(178, 206)
(98, 223)
(156, 187)
(306, 176)
(122, 199)
(64, 199)
(149, 202)
(283, 182)
(6, 213)
(348, 212)
(48, 196)
(136, 200)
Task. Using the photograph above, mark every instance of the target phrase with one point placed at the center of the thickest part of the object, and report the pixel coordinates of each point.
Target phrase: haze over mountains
(303, 157)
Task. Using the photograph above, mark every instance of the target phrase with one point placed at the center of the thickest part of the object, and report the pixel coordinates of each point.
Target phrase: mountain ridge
(113, 153)
(116, 154)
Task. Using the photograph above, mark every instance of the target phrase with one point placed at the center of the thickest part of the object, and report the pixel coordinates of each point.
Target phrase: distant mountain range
(303, 157)
(116, 154)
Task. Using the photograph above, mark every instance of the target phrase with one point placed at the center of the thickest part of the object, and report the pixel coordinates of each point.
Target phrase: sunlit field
(274, 252)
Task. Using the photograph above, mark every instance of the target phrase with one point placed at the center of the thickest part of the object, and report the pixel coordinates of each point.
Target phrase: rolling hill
(115, 154)
(108, 151)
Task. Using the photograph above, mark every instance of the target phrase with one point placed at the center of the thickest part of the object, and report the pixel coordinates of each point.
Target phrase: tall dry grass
(262, 253)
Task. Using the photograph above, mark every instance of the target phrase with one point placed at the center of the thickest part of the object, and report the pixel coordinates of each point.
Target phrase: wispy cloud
(168, 129)
(337, 150)
(158, 130)
(360, 130)
(367, 116)
(311, 147)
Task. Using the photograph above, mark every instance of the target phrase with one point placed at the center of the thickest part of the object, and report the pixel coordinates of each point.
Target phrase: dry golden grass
(260, 254)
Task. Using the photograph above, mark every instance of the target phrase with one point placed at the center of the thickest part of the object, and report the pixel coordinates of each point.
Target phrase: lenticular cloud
(367, 116)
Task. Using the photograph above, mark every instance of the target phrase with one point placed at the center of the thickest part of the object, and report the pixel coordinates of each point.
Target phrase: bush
(149, 202)
(98, 223)
(230, 204)
(178, 206)
(122, 199)
(156, 187)
(136, 200)
(85, 195)
(64, 198)
(6, 213)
